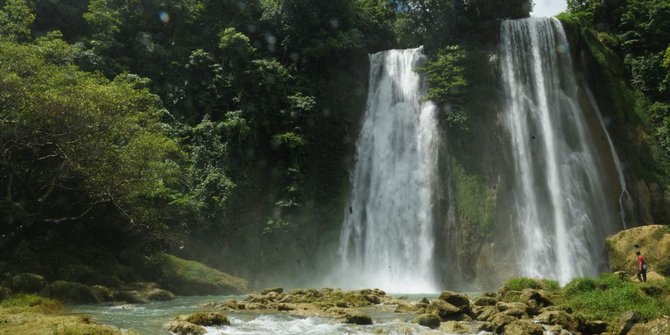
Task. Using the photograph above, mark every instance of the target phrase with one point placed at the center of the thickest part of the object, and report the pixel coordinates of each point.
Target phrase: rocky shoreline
(529, 311)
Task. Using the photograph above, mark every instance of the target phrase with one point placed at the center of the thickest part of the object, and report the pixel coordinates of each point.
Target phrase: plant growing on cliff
(448, 83)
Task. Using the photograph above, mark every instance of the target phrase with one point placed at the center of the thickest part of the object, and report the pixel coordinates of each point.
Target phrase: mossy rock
(443, 309)
(456, 299)
(523, 327)
(357, 318)
(654, 243)
(5, 292)
(158, 294)
(69, 292)
(208, 319)
(428, 320)
(131, 297)
(102, 293)
(186, 277)
(28, 283)
(180, 327)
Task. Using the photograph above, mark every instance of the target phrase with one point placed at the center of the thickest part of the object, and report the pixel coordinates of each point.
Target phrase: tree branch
(75, 218)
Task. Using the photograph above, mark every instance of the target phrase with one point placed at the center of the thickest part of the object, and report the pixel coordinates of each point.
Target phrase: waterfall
(387, 238)
(624, 197)
(561, 210)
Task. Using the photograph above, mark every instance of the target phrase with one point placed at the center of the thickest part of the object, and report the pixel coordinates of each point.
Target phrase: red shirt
(640, 261)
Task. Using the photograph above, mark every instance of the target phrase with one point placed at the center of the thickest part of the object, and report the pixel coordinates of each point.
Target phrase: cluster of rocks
(193, 324)
(78, 293)
(527, 312)
(325, 302)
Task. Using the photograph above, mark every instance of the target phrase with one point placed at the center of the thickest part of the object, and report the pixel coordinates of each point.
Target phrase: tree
(15, 20)
(79, 148)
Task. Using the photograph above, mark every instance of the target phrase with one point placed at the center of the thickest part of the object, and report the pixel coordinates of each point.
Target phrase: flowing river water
(150, 319)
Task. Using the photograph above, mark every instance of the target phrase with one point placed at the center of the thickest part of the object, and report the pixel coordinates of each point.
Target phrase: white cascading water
(624, 196)
(561, 207)
(387, 239)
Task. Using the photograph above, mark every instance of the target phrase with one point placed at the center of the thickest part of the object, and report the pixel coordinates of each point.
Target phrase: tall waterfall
(561, 206)
(387, 239)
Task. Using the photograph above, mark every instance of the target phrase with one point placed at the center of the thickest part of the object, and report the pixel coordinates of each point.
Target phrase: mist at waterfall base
(562, 212)
(387, 239)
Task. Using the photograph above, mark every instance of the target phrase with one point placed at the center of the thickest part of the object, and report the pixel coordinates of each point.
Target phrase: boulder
(130, 297)
(499, 322)
(158, 294)
(453, 327)
(185, 277)
(558, 317)
(284, 308)
(503, 306)
(523, 327)
(102, 293)
(654, 243)
(538, 295)
(628, 320)
(71, 293)
(184, 328)
(485, 301)
(443, 309)
(405, 308)
(277, 290)
(207, 319)
(428, 320)
(28, 283)
(357, 318)
(455, 299)
(486, 313)
(658, 326)
(4, 292)
(593, 327)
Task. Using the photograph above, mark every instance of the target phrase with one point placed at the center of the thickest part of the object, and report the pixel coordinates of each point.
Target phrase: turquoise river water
(150, 319)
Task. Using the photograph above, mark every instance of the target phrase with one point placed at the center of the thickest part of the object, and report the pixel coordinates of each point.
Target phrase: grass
(29, 314)
(30, 303)
(607, 297)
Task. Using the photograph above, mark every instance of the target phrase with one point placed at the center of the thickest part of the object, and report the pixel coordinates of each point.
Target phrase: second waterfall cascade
(387, 239)
(561, 210)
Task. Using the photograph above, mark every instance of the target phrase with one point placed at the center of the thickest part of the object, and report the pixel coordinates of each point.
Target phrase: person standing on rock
(641, 267)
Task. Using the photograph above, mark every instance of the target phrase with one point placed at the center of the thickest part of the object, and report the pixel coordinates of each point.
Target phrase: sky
(548, 7)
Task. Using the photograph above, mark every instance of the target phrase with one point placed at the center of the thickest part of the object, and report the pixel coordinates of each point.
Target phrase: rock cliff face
(653, 242)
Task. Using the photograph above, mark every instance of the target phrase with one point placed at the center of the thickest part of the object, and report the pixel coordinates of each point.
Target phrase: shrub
(518, 284)
(579, 286)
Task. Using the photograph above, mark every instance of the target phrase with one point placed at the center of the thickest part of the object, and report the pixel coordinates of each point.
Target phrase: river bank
(611, 304)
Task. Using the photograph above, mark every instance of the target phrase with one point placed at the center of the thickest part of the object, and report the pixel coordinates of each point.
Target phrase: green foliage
(448, 84)
(607, 297)
(15, 20)
(579, 286)
(518, 284)
(475, 204)
(71, 137)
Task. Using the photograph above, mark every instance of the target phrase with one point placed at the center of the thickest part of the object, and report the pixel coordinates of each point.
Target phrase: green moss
(475, 203)
(73, 293)
(193, 278)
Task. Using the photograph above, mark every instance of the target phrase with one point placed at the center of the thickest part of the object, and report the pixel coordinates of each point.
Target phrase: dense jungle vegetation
(223, 130)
